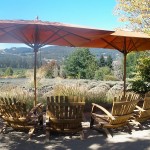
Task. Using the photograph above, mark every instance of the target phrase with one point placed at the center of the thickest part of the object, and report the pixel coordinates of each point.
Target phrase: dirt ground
(121, 140)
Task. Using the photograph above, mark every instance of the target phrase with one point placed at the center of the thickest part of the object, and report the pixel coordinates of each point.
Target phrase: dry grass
(77, 90)
(19, 94)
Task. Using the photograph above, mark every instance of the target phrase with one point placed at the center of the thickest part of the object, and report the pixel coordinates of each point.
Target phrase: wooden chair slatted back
(65, 113)
(145, 114)
(123, 108)
(65, 107)
(127, 97)
(146, 104)
(11, 108)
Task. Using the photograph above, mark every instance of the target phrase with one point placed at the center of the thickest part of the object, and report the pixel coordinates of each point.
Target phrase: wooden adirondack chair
(142, 114)
(64, 114)
(15, 115)
(122, 110)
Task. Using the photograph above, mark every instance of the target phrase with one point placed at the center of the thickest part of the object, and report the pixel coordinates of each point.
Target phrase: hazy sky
(92, 13)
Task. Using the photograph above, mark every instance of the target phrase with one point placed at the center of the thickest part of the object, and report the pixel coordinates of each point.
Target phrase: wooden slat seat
(16, 115)
(64, 113)
(122, 110)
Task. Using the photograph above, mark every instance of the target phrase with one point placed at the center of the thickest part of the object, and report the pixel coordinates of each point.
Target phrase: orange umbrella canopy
(124, 41)
(47, 33)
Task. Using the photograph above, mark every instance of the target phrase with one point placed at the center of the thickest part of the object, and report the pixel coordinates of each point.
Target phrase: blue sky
(92, 13)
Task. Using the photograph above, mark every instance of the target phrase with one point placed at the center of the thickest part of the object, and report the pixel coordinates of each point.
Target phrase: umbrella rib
(62, 29)
(129, 46)
(114, 46)
(28, 42)
(15, 35)
(60, 38)
(36, 38)
(46, 41)
(139, 44)
(133, 45)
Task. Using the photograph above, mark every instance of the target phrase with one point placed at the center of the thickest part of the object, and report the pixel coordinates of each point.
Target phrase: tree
(144, 67)
(81, 64)
(141, 81)
(132, 59)
(102, 62)
(109, 61)
(136, 12)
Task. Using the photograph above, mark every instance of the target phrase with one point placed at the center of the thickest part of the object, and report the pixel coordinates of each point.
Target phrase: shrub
(140, 86)
(8, 71)
(102, 72)
(110, 78)
(49, 70)
(20, 74)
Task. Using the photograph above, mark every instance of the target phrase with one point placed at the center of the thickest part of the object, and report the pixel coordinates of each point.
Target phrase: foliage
(49, 70)
(141, 82)
(136, 12)
(81, 64)
(102, 62)
(117, 67)
(140, 86)
(109, 61)
(132, 59)
(144, 67)
(16, 61)
(19, 73)
(101, 72)
(110, 78)
(8, 71)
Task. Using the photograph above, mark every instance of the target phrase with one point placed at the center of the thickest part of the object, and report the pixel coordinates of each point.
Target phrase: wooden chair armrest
(104, 110)
(139, 108)
(34, 109)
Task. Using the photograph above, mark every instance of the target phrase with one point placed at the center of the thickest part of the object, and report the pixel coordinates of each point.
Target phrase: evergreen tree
(132, 59)
(102, 62)
(81, 64)
(109, 61)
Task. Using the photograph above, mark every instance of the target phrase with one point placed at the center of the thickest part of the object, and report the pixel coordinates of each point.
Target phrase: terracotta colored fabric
(47, 33)
(123, 41)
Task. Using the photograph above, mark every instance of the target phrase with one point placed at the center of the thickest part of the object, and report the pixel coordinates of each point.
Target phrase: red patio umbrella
(37, 34)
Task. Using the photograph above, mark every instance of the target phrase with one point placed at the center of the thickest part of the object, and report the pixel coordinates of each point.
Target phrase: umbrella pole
(35, 63)
(124, 77)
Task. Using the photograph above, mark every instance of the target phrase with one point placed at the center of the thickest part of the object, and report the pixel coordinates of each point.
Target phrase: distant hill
(55, 52)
